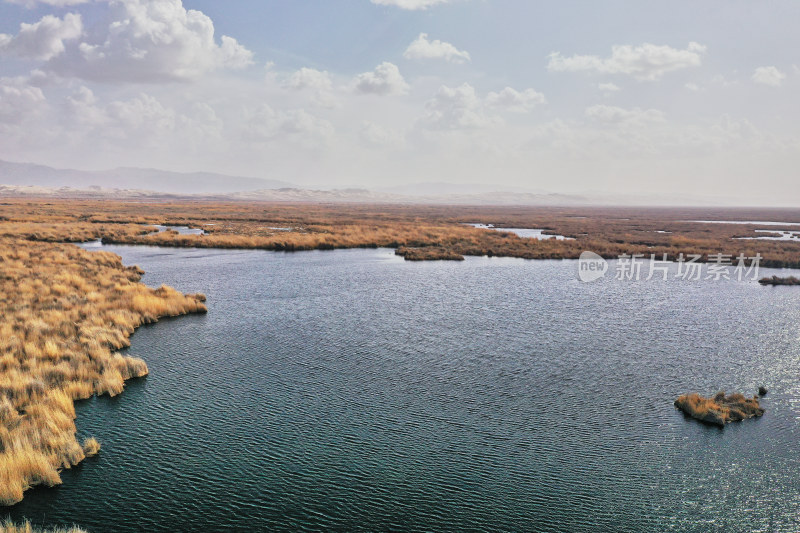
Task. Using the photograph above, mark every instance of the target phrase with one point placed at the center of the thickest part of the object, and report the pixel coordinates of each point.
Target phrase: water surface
(182, 230)
(750, 222)
(774, 235)
(525, 233)
(353, 391)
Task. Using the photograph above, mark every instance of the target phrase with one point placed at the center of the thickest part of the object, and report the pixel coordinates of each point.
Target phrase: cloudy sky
(679, 97)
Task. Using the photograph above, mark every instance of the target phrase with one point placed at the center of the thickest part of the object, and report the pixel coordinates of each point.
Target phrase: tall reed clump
(65, 312)
(10, 527)
(719, 409)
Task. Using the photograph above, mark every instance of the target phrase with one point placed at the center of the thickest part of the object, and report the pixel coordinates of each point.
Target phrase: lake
(352, 391)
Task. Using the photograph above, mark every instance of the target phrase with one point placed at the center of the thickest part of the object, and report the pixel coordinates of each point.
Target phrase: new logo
(591, 267)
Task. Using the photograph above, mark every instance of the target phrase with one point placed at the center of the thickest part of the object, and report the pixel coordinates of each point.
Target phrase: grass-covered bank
(417, 232)
(65, 313)
(26, 527)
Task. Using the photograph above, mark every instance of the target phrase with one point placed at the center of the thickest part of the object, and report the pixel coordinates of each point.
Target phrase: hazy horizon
(679, 100)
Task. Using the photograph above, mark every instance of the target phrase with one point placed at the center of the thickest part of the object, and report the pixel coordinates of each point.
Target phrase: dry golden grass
(720, 409)
(10, 527)
(65, 314)
(430, 253)
(91, 447)
(777, 280)
(609, 232)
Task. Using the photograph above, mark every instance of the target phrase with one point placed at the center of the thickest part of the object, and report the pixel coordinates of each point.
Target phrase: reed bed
(10, 527)
(777, 280)
(65, 313)
(410, 229)
(70, 231)
(431, 253)
(719, 409)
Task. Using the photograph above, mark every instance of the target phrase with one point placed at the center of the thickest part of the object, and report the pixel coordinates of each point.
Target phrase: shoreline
(415, 232)
(84, 307)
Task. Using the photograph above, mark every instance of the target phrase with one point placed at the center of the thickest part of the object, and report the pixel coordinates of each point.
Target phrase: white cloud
(461, 108)
(309, 78)
(151, 41)
(55, 3)
(645, 62)
(141, 122)
(422, 48)
(769, 76)
(617, 115)
(83, 96)
(43, 40)
(376, 135)
(317, 82)
(693, 87)
(267, 124)
(135, 118)
(608, 87)
(143, 119)
(385, 79)
(18, 100)
(456, 108)
(141, 112)
(81, 108)
(515, 101)
(412, 5)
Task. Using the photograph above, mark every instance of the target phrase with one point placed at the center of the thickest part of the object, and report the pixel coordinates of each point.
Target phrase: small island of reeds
(777, 280)
(719, 409)
(432, 253)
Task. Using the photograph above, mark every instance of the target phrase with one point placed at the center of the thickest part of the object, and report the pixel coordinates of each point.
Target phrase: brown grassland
(777, 280)
(720, 409)
(66, 312)
(417, 232)
(10, 527)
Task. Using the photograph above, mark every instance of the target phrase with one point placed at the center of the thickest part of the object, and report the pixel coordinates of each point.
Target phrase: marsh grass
(430, 253)
(65, 313)
(91, 447)
(10, 527)
(606, 231)
(777, 280)
(719, 409)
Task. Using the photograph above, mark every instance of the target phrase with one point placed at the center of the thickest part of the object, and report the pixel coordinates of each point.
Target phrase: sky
(616, 97)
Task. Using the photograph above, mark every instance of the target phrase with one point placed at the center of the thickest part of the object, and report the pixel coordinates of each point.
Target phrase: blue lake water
(525, 233)
(182, 230)
(353, 391)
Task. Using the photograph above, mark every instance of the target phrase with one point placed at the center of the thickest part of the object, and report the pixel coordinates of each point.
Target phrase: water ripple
(353, 391)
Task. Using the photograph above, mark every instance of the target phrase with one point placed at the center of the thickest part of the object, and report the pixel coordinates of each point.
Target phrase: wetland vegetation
(417, 232)
(26, 527)
(778, 280)
(65, 312)
(719, 409)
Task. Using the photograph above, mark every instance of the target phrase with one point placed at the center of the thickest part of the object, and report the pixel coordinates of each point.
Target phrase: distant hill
(143, 179)
(441, 188)
(30, 180)
(293, 195)
(368, 196)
